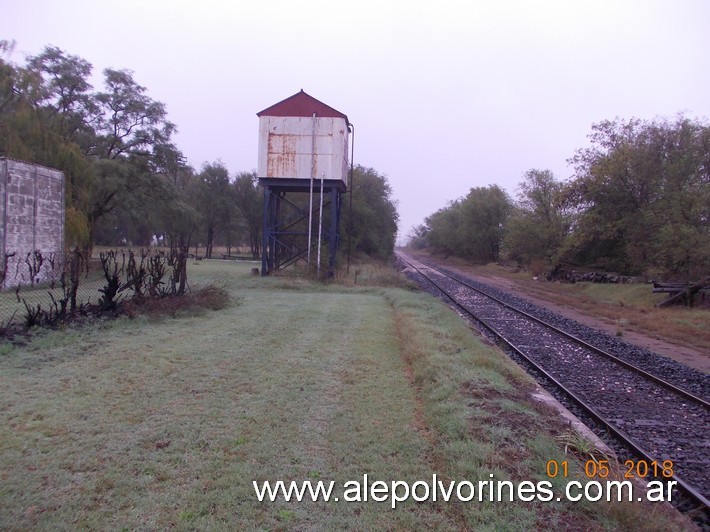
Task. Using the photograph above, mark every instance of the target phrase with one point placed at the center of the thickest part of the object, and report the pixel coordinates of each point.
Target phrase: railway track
(655, 418)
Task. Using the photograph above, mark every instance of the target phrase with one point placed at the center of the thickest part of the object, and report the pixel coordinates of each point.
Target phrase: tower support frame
(286, 238)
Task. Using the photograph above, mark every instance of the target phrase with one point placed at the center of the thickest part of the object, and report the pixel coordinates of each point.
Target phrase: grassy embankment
(155, 423)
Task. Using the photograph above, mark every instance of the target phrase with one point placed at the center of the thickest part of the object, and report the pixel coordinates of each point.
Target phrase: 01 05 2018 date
(602, 469)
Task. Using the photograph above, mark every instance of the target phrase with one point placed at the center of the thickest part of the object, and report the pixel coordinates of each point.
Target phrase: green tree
(8, 80)
(179, 216)
(133, 157)
(213, 201)
(540, 220)
(249, 203)
(485, 211)
(127, 202)
(62, 92)
(641, 190)
(684, 239)
(444, 235)
(418, 238)
(130, 122)
(373, 225)
(471, 227)
(616, 183)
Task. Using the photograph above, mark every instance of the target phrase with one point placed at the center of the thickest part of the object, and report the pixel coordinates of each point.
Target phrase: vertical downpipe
(320, 225)
(352, 189)
(310, 203)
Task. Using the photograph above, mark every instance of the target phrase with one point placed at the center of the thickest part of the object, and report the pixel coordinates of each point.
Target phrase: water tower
(303, 168)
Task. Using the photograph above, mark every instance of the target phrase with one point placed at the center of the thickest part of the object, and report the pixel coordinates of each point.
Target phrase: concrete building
(31, 220)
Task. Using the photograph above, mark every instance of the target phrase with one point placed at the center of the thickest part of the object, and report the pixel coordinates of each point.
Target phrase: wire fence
(101, 283)
(14, 300)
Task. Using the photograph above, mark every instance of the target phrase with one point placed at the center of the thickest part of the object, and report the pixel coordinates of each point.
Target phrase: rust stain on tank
(281, 160)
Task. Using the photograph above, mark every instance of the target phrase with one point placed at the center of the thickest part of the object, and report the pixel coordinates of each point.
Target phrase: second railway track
(660, 420)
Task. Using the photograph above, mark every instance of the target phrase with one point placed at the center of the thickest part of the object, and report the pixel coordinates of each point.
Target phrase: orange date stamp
(601, 469)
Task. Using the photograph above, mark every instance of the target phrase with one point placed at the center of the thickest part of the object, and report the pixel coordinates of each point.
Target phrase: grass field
(154, 423)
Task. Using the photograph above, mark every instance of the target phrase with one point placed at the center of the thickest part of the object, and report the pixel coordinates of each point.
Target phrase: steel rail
(621, 435)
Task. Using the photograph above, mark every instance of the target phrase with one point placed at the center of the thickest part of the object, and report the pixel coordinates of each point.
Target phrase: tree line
(638, 203)
(126, 180)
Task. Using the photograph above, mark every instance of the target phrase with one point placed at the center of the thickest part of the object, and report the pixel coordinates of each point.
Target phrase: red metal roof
(302, 104)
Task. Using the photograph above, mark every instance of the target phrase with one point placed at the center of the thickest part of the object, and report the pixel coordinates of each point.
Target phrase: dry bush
(210, 297)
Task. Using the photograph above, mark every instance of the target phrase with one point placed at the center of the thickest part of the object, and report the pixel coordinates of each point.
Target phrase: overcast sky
(444, 95)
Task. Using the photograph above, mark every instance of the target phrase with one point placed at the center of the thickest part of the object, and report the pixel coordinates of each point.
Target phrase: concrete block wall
(31, 219)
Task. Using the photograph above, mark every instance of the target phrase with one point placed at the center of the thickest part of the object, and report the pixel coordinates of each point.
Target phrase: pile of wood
(568, 275)
(683, 293)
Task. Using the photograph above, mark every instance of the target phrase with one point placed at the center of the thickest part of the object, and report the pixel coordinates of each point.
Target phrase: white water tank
(303, 138)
